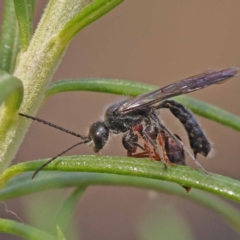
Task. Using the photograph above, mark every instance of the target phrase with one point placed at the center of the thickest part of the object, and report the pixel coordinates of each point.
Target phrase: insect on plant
(138, 118)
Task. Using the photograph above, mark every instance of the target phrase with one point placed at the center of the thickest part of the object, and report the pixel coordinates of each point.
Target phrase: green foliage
(9, 42)
(22, 230)
(23, 185)
(24, 12)
(64, 215)
(88, 15)
(183, 175)
(24, 86)
(10, 85)
(11, 95)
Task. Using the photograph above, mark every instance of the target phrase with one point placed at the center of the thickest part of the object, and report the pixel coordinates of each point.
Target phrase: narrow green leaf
(24, 12)
(64, 216)
(114, 86)
(9, 42)
(89, 14)
(23, 230)
(130, 88)
(23, 185)
(220, 185)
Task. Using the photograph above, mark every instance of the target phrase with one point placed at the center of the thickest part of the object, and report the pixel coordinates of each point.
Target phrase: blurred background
(155, 42)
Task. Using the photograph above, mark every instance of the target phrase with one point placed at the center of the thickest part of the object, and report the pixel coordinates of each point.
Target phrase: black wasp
(138, 118)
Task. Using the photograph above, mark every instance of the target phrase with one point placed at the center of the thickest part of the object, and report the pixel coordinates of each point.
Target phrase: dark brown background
(155, 42)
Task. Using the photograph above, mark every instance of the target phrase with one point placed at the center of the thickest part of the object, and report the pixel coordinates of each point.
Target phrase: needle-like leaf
(183, 175)
(65, 214)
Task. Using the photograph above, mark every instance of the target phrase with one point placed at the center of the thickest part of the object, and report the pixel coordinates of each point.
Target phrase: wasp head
(98, 135)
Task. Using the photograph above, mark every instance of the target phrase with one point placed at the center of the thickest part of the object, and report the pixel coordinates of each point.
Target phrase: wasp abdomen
(197, 138)
(174, 152)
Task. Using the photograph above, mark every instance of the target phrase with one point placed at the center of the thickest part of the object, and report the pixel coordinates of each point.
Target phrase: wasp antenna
(50, 160)
(53, 125)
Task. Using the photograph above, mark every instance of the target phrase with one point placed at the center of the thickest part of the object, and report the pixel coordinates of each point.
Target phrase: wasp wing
(184, 86)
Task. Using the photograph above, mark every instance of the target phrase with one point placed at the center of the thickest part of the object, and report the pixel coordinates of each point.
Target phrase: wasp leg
(130, 143)
(155, 147)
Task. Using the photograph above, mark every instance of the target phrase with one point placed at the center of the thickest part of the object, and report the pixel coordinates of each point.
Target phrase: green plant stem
(223, 186)
(23, 185)
(130, 88)
(23, 230)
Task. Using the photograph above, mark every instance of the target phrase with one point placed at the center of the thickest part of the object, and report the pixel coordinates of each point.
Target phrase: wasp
(141, 115)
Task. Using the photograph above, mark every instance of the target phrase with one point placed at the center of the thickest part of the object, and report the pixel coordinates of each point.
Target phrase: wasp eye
(98, 134)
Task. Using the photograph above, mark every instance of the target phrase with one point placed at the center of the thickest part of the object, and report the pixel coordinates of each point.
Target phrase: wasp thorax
(98, 134)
